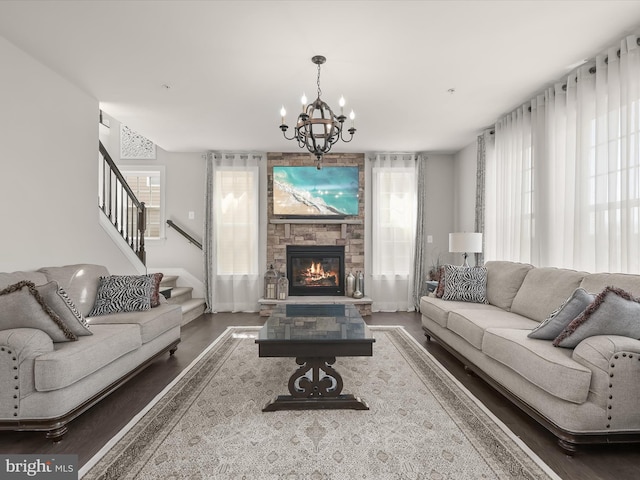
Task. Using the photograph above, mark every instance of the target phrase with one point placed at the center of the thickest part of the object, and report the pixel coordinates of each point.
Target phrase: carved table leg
(319, 390)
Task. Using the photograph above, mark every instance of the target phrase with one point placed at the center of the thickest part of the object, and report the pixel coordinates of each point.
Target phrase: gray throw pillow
(465, 284)
(22, 306)
(613, 312)
(555, 323)
(57, 299)
(123, 293)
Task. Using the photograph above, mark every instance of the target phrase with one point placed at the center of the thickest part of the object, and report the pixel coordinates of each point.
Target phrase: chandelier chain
(319, 91)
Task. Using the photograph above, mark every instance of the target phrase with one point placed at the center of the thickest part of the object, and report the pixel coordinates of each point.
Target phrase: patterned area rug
(422, 423)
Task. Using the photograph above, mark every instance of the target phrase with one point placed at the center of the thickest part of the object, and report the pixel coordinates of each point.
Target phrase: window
(394, 220)
(147, 185)
(236, 220)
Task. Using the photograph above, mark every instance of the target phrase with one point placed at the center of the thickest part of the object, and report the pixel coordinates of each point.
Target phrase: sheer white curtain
(391, 226)
(235, 234)
(563, 187)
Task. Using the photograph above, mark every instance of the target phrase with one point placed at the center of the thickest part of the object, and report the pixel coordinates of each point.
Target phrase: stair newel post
(142, 225)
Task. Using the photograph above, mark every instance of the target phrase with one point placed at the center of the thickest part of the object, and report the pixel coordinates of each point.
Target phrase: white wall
(184, 193)
(439, 213)
(48, 170)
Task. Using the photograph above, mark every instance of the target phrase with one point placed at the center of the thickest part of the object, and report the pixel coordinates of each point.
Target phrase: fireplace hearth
(315, 269)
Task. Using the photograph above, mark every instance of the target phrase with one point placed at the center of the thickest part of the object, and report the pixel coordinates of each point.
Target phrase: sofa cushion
(503, 281)
(544, 290)
(73, 361)
(613, 312)
(123, 293)
(551, 369)
(22, 306)
(555, 323)
(596, 282)
(438, 310)
(80, 281)
(57, 299)
(465, 284)
(471, 324)
(151, 323)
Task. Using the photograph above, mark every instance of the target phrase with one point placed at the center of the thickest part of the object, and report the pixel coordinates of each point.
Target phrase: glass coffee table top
(315, 323)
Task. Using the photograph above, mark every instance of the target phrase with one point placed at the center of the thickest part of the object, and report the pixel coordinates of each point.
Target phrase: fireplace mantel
(287, 222)
(317, 221)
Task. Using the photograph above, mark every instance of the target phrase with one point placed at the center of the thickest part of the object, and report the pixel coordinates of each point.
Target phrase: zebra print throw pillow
(465, 284)
(123, 293)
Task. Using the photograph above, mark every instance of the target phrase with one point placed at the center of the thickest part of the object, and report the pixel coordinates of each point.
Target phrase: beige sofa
(586, 394)
(47, 383)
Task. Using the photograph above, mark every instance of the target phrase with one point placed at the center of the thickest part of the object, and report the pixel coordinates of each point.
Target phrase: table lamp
(465, 243)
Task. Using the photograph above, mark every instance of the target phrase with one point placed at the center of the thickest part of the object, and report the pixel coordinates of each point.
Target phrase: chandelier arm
(284, 132)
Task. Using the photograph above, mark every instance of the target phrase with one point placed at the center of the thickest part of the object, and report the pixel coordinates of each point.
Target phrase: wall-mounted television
(302, 192)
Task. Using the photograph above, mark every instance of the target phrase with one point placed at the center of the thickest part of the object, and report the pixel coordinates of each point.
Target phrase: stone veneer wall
(319, 233)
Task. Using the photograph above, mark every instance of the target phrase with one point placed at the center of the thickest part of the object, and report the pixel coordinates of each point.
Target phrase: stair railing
(118, 202)
(172, 224)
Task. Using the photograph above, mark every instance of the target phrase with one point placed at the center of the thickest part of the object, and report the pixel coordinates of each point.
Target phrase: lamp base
(465, 264)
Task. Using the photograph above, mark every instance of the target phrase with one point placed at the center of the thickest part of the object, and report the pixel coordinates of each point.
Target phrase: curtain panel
(390, 204)
(235, 231)
(563, 187)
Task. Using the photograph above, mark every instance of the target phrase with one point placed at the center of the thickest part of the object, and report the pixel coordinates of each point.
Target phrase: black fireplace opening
(315, 269)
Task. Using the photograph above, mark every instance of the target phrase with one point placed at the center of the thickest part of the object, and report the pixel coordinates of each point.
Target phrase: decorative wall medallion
(134, 146)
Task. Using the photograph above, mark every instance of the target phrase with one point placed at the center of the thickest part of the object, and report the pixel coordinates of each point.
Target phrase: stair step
(169, 281)
(180, 294)
(192, 309)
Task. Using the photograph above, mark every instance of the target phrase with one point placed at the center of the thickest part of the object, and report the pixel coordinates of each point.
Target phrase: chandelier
(318, 128)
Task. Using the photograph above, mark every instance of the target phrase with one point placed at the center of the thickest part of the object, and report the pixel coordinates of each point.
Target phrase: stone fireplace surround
(348, 232)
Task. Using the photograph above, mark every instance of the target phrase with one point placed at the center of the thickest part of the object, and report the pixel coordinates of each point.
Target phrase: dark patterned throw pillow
(440, 288)
(465, 284)
(123, 293)
(155, 289)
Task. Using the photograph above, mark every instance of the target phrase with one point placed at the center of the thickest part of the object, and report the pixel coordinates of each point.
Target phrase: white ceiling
(231, 65)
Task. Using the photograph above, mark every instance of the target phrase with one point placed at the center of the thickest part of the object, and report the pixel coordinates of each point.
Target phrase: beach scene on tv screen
(307, 191)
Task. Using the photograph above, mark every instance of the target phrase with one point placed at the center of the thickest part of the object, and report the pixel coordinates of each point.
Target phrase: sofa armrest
(615, 382)
(18, 349)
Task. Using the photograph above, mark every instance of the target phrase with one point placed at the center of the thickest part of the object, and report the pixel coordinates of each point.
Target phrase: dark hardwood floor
(89, 433)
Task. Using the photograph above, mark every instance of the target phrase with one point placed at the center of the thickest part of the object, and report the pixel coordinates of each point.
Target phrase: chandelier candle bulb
(341, 102)
(303, 99)
(283, 113)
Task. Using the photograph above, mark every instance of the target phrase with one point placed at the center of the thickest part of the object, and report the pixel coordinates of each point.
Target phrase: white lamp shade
(465, 242)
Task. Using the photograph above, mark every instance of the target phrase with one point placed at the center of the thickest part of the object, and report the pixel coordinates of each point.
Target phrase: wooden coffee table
(315, 334)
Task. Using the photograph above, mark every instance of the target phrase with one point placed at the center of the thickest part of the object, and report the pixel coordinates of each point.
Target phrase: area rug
(422, 423)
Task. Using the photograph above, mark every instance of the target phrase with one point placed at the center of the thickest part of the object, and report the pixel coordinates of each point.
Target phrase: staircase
(192, 308)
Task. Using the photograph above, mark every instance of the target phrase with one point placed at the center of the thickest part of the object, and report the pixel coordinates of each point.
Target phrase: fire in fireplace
(315, 270)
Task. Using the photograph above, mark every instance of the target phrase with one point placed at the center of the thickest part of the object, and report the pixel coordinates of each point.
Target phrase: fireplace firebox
(315, 269)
